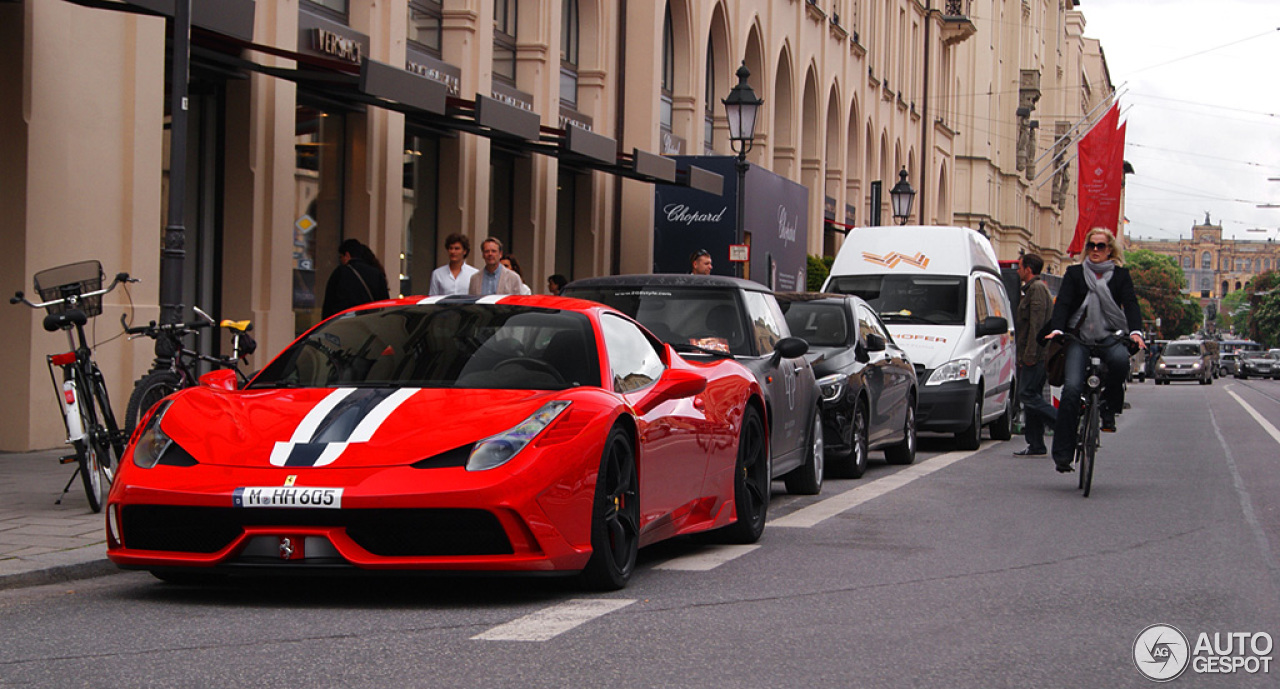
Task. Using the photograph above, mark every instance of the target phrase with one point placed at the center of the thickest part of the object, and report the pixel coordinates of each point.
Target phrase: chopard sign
(680, 213)
(786, 226)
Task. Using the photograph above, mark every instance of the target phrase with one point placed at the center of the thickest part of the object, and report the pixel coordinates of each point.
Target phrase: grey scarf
(1099, 316)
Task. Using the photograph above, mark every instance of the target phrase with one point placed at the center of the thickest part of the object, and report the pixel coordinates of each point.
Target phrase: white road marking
(820, 511)
(1266, 425)
(707, 558)
(549, 623)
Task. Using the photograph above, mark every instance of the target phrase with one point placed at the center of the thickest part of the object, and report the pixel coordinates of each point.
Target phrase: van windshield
(927, 299)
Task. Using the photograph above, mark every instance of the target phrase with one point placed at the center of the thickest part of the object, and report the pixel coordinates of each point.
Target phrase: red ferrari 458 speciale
(503, 433)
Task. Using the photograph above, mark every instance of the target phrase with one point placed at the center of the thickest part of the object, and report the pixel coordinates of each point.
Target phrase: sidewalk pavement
(42, 542)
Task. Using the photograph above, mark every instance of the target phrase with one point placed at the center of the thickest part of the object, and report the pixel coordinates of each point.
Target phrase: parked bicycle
(176, 364)
(72, 294)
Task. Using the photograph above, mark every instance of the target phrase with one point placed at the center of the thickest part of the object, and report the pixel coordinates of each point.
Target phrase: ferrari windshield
(925, 299)
(442, 346)
(706, 319)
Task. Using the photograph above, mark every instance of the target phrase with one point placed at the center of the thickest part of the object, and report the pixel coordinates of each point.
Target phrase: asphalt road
(965, 570)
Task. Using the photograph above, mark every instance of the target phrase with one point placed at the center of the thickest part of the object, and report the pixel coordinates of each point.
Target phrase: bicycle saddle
(66, 319)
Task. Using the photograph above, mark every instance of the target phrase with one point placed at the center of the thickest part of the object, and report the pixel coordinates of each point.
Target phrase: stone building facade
(1214, 266)
(541, 122)
(1030, 86)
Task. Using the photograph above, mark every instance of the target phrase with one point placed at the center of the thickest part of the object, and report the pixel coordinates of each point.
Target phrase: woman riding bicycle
(1098, 305)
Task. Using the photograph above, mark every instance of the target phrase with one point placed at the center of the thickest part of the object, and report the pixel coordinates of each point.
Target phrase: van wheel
(1002, 428)
(971, 437)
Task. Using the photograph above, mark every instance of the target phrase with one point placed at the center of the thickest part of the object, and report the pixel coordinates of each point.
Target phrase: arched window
(1226, 287)
(1186, 261)
(668, 70)
(1205, 285)
(569, 52)
(504, 39)
(1206, 260)
(1237, 284)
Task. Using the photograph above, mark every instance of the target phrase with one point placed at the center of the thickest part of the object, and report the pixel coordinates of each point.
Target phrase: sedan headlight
(832, 386)
(1196, 365)
(954, 370)
(1160, 365)
(497, 450)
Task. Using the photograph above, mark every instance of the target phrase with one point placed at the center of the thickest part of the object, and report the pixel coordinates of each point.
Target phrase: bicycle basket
(71, 279)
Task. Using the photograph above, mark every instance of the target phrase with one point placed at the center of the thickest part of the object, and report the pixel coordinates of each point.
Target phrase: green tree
(1264, 308)
(819, 269)
(1233, 314)
(1159, 282)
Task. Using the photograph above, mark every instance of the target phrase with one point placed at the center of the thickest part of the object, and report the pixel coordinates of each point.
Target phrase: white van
(938, 290)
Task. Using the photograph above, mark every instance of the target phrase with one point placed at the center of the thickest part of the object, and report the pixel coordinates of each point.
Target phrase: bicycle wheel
(115, 438)
(149, 390)
(1082, 423)
(1092, 431)
(92, 451)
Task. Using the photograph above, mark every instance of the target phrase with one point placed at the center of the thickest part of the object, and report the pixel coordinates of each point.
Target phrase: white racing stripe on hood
(307, 428)
(302, 450)
(374, 419)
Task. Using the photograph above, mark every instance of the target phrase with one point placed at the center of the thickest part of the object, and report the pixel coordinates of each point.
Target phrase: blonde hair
(1117, 253)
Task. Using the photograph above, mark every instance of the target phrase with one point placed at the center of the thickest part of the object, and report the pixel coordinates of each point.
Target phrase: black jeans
(1036, 411)
(1115, 357)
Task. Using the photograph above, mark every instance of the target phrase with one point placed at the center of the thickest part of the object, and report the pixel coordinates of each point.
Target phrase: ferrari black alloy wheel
(752, 484)
(615, 518)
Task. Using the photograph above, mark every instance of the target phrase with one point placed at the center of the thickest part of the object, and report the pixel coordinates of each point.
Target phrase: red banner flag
(1101, 176)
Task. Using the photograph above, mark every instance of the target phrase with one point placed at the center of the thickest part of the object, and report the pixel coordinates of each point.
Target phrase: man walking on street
(494, 279)
(453, 277)
(1034, 310)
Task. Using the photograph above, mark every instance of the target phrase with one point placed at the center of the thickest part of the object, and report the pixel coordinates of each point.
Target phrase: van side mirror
(992, 325)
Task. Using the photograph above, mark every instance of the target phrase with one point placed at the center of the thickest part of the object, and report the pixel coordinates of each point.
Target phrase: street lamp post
(741, 107)
(902, 195)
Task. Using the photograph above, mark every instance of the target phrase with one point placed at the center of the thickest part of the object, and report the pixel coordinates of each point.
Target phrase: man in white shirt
(455, 276)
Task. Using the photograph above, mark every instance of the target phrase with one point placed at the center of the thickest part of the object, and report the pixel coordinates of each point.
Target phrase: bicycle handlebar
(154, 329)
(20, 298)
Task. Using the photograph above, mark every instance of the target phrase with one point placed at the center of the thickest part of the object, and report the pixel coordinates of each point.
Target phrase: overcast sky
(1200, 89)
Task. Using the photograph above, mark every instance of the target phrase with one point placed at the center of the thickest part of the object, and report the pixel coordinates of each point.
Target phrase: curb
(59, 573)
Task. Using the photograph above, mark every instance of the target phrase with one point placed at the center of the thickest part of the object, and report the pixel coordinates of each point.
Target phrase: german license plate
(288, 496)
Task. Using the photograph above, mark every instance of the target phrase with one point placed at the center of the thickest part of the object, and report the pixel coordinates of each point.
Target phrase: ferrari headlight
(497, 450)
(832, 386)
(152, 441)
(954, 370)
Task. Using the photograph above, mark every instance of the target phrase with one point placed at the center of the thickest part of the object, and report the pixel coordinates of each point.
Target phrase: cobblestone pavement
(41, 541)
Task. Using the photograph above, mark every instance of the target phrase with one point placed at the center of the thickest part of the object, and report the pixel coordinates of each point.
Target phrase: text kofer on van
(938, 290)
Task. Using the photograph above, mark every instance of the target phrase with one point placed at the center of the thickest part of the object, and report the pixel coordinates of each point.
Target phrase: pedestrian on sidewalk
(1034, 310)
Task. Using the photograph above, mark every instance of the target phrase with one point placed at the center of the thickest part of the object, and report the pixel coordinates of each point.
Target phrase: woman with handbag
(358, 279)
(1098, 305)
